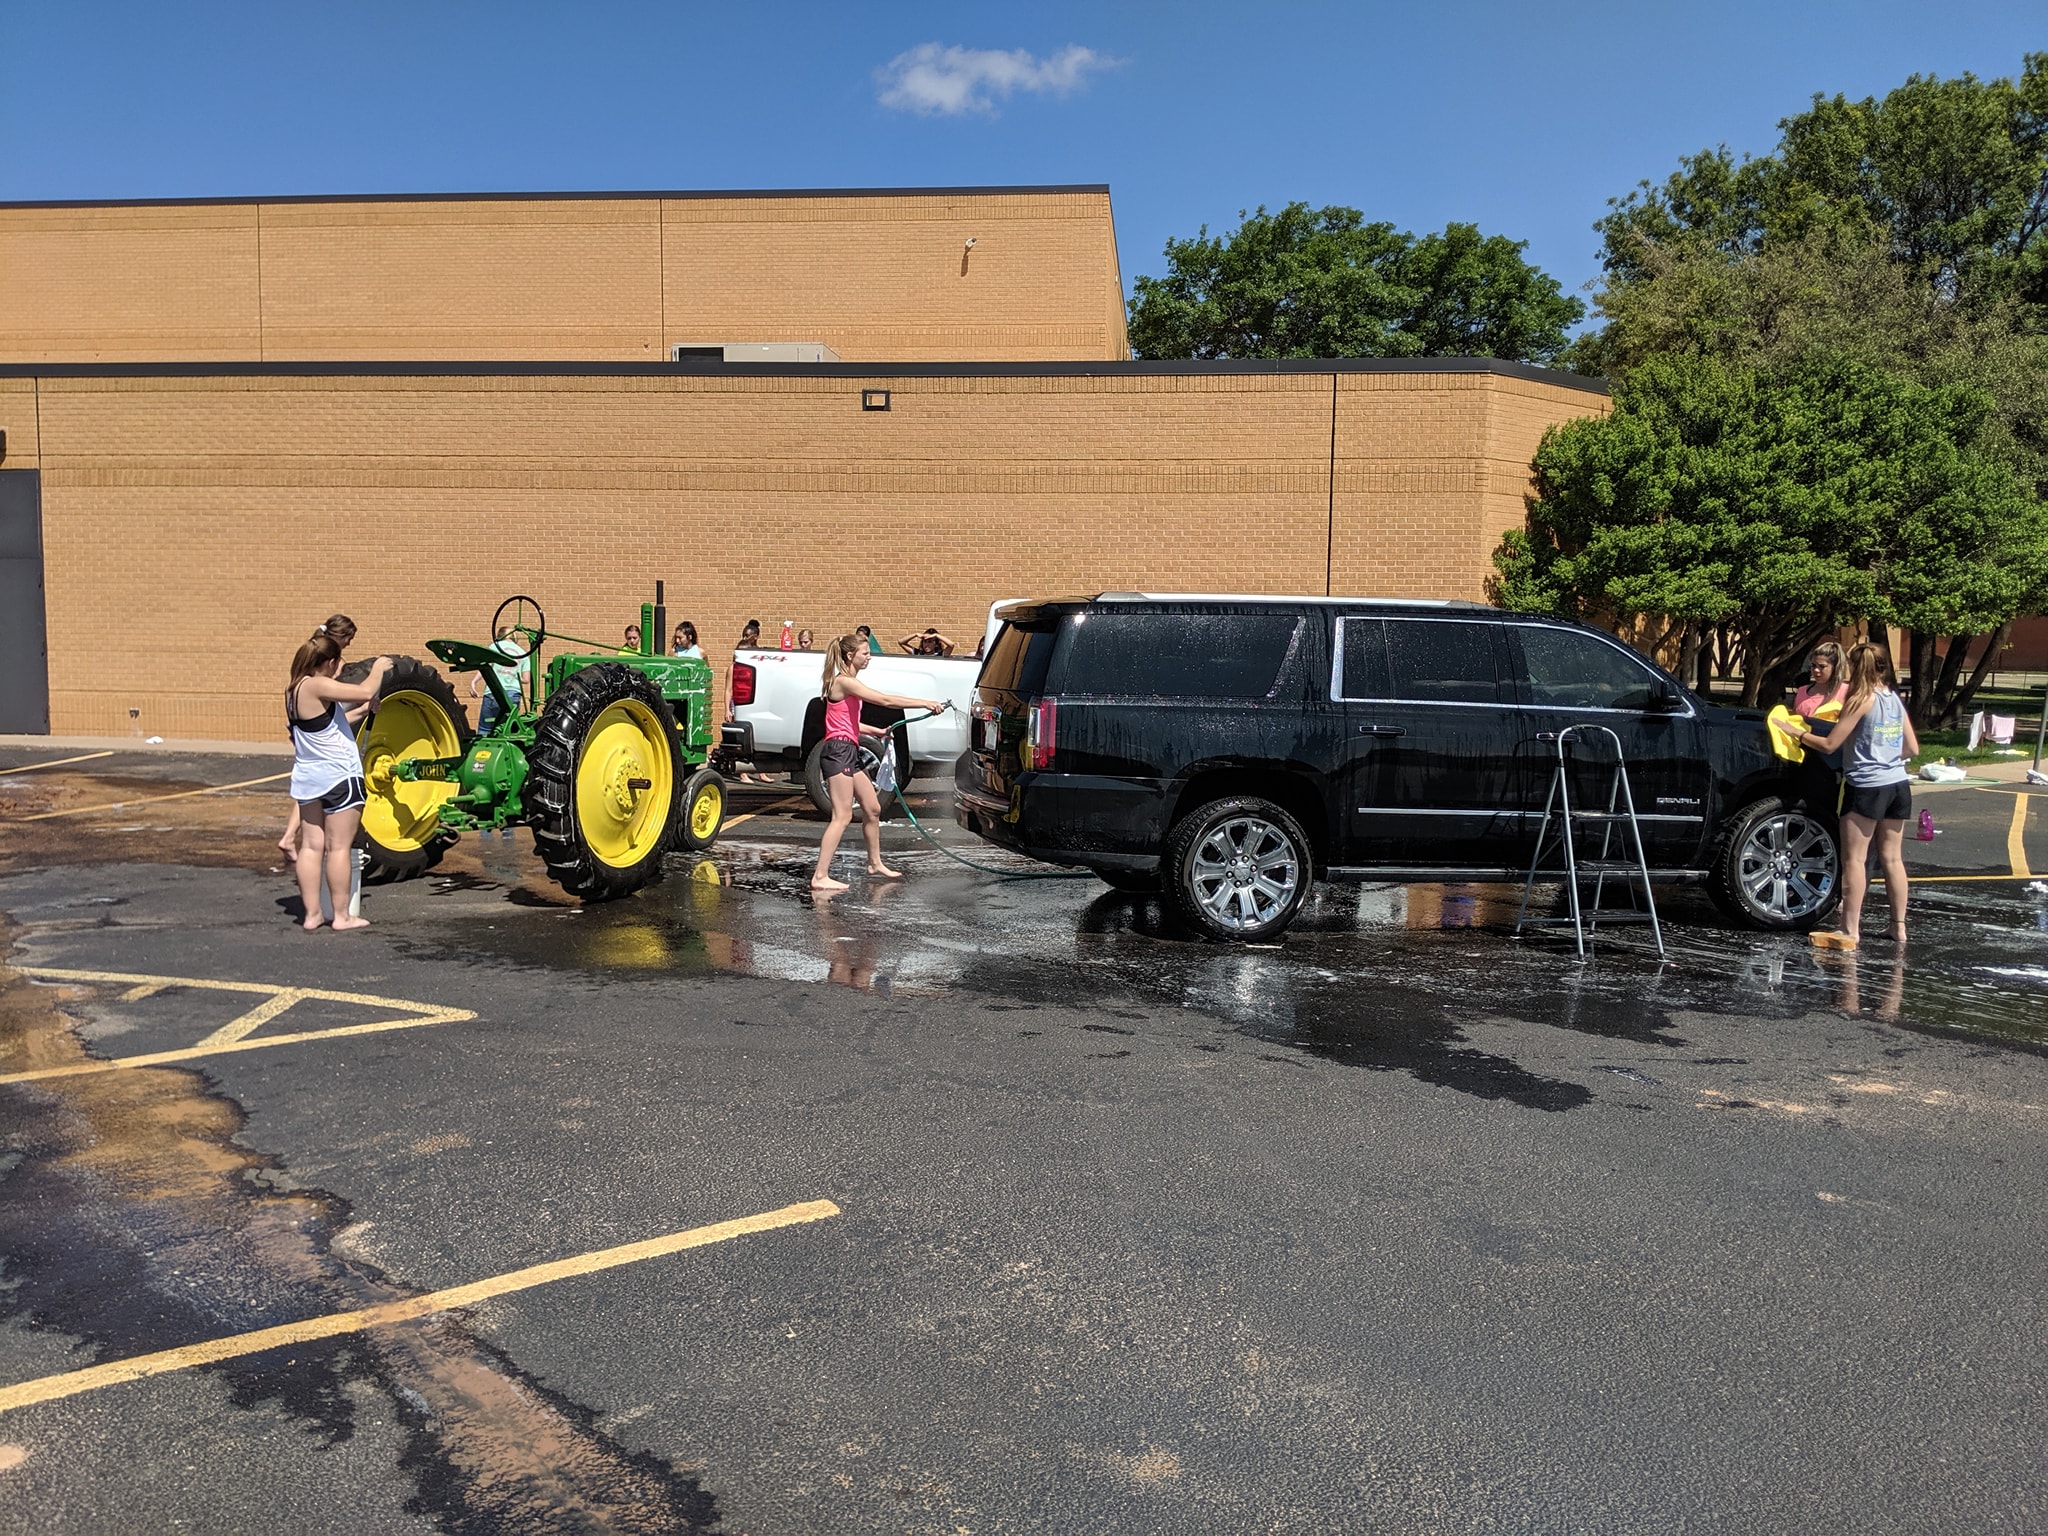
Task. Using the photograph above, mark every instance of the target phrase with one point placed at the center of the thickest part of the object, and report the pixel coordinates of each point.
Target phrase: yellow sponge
(1786, 746)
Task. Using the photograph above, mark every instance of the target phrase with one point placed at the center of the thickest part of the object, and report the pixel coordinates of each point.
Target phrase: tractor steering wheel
(533, 633)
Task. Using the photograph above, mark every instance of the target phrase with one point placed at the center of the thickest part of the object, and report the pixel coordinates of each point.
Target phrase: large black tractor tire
(1777, 866)
(417, 714)
(1237, 869)
(604, 789)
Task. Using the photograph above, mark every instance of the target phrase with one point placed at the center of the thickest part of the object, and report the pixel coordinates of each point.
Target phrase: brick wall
(222, 516)
(877, 277)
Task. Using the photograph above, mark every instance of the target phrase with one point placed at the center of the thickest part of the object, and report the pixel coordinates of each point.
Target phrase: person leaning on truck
(930, 643)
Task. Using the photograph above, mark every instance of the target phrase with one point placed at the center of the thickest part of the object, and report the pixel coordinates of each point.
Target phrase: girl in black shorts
(1878, 799)
(844, 691)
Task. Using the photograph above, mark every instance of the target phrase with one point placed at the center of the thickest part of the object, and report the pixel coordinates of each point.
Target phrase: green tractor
(605, 757)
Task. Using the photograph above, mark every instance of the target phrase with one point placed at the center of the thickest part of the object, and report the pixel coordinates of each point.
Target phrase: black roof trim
(699, 367)
(552, 197)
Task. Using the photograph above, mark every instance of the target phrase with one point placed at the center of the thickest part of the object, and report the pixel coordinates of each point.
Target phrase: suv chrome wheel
(1238, 868)
(1779, 866)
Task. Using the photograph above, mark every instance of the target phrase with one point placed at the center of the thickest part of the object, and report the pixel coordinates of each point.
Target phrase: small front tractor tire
(602, 791)
(417, 715)
(703, 810)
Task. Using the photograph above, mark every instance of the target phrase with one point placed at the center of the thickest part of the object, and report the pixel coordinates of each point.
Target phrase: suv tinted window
(1443, 661)
(1568, 670)
(1017, 661)
(1174, 655)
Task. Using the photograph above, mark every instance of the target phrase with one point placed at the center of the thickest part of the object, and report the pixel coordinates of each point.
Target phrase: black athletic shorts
(348, 795)
(1879, 802)
(841, 757)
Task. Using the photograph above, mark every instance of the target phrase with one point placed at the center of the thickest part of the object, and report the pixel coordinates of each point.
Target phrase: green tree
(1324, 283)
(1905, 236)
(1781, 507)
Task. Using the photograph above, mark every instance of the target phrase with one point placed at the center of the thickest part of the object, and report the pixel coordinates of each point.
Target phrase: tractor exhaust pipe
(654, 633)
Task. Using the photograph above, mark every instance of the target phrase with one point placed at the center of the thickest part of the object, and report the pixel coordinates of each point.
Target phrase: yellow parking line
(58, 762)
(2015, 849)
(183, 794)
(780, 805)
(188, 1053)
(69, 1384)
(230, 1036)
(255, 1018)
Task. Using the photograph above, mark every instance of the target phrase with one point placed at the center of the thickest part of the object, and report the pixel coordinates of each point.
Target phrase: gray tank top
(1877, 752)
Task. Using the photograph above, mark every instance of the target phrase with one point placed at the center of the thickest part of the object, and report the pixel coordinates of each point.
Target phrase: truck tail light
(742, 684)
(1041, 732)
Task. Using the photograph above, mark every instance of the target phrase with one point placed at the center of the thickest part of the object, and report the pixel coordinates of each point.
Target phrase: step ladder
(1557, 835)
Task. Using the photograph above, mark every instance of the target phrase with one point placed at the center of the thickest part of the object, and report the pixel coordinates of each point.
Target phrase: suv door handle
(1382, 730)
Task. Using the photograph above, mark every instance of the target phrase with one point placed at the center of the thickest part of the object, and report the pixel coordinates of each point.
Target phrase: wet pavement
(1402, 1223)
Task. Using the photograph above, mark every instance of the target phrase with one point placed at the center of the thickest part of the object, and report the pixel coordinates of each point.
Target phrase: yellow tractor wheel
(417, 716)
(602, 782)
(703, 810)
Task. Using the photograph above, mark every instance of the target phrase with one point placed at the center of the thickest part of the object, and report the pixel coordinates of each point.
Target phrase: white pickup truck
(777, 717)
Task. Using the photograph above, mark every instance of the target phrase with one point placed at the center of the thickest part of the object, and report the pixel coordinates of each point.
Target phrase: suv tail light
(1041, 732)
(742, 684)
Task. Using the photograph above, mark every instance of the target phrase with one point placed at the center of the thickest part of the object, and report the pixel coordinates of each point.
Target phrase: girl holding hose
(845, 659)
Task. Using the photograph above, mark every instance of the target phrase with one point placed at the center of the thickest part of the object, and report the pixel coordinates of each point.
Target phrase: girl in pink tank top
(845, 659)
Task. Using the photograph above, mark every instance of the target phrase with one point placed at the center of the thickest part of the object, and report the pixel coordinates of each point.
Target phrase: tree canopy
(1871, 295)
(1323, 282)
(1781, 506)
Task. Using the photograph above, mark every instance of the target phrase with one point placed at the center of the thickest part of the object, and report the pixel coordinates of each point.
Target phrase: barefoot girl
(327, 772)
(844, 693)
(341, 629)
(1879, 737)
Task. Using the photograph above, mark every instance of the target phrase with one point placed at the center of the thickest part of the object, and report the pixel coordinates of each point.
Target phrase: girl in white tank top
(327, 772)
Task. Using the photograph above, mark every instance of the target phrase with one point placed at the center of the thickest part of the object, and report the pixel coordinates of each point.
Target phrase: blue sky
(1523, 118)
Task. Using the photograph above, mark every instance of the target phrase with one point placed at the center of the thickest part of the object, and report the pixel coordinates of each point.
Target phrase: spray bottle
(788, 635)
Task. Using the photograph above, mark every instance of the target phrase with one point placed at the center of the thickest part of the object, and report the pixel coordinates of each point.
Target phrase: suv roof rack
(1281, 597)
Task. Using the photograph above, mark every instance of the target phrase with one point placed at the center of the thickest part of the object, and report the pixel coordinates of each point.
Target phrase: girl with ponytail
(845, 659)
(1877, 737)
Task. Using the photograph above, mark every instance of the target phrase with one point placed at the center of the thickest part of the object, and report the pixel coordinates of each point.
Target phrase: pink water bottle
(1926, 834)
(788, 635)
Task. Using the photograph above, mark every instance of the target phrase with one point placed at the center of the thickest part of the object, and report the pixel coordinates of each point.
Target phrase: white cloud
(936, 80)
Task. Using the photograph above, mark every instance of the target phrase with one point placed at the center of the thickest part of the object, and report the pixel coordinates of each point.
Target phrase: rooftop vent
(752, 352)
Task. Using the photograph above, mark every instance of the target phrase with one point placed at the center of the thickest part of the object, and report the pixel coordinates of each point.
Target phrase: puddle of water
(1380, 977)
(134, 1219)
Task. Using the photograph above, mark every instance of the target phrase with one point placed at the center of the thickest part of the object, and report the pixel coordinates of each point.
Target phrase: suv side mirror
(1665, 700)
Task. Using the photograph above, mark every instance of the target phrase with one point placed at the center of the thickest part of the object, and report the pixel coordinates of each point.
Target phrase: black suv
(1228, 750)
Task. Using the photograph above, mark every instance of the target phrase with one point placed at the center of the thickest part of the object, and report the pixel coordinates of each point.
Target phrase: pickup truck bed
(784, 716)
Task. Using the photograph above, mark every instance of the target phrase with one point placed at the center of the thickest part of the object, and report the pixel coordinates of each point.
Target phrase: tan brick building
(615, 278)
(220, 506)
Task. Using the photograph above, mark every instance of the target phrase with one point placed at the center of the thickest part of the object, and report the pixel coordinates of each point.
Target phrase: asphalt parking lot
(972, 1204)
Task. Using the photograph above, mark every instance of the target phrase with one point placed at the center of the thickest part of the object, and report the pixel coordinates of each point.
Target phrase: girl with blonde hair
(1876, 736)
(844, 693)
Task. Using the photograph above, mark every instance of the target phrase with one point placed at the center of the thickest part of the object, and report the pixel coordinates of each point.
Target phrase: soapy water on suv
(1228, 751)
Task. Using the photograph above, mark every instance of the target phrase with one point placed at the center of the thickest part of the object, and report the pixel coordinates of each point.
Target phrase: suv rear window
(1016, 663)
(1174, 655)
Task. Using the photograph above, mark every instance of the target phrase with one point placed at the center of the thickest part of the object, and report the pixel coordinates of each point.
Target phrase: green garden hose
(986, 869)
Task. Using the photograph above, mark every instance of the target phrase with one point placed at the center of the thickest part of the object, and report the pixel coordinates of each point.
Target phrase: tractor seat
(466, 657)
